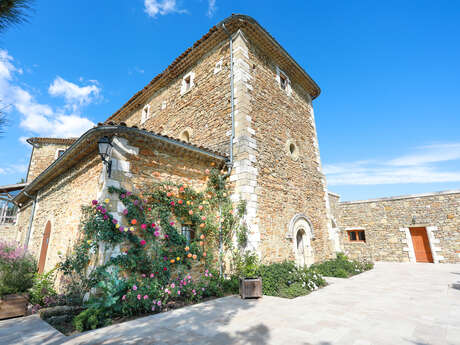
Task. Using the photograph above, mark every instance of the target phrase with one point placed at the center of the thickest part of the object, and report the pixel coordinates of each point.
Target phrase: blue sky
(388, 118)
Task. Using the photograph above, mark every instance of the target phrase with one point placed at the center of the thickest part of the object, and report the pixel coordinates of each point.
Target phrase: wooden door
(45, 242)
(421, 245)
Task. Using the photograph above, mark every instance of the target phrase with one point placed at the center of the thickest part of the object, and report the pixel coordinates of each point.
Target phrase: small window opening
(283, 81)
(145, 113)
(185, 136)
(188, 83)
(188, 233)
(60, 153)
(356, 236)
(292, 148)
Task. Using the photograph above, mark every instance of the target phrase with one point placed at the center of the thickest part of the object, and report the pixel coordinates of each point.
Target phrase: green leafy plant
(42, 291)
(285, 279)
(92, 318)
(342, 267)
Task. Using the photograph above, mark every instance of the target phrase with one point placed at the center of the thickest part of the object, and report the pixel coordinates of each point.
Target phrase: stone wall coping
(333, 194)
(402, 197)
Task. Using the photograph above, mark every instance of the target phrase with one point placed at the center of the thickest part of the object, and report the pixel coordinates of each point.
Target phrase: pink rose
(138, 297)
(151, 275)
(134, 287)
(144, 226)
(146, 296)
(143, 243)
(124, 297)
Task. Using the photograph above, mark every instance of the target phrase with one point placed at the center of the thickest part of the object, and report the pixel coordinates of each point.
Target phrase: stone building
(410, 228)
(236, 99)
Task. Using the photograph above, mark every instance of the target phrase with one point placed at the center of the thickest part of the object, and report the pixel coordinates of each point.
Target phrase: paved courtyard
(395, 303)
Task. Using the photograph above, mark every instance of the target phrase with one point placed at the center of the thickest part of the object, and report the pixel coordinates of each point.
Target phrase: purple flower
(106, 217)
(94, 202)
(103, 210)
(125, 211)
(122, 196)
(156, 233)
(114, 221)
(159, 303)
(136, 202)
(99, 208)
(128, 193)
(122, 228)
(153, 308)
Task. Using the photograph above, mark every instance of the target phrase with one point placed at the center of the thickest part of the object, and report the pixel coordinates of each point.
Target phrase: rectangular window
(187, 83)
(283, 81)
(356, 236)
(60, 153)
(188, 233)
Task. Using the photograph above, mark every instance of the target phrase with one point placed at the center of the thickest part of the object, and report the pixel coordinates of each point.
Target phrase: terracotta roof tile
(64, 141)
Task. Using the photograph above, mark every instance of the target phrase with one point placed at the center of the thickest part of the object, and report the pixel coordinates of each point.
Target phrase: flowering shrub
(17, 268)
(155, 257)
(287, 280)
(342, 267)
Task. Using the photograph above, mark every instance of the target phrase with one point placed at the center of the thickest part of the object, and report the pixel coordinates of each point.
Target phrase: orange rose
(212, 164)
(202, 225)
(181, 188)
(133, 221)
(200, 207)
(190, 212)
(169, 194)
(171, 261)
(189, 255)
(201, 243)
(202, 236)
(203, 218)
(194, 256)
(187, 249)
(204, 254)
(180, 201)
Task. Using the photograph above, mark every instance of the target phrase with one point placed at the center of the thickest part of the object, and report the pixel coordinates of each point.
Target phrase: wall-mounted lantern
(105, 151)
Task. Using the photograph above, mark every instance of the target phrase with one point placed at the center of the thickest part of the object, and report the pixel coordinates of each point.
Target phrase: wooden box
(251, 287)
(13, 306)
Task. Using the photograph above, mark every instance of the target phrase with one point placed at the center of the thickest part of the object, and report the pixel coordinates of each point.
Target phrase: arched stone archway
(301, 232)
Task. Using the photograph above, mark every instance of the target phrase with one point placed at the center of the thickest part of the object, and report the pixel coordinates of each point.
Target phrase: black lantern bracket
(105, 151)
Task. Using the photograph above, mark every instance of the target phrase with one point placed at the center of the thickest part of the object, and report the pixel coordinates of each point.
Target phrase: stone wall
(8, 232)
(289, 177)
(203, 111)
(43, 154)
(276, 184)
(60, 202)
(387, 221)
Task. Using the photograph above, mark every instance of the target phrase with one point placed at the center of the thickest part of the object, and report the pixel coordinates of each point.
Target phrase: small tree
(13, 12)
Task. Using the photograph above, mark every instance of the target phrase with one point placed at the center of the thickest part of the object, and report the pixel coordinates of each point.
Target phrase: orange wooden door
(421, 245)
(45, 242)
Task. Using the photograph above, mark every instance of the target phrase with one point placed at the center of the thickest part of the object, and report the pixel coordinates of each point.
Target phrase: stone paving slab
(395, 303)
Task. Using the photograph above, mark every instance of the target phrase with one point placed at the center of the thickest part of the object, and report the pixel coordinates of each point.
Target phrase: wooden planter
(13, 306)
(251, 287)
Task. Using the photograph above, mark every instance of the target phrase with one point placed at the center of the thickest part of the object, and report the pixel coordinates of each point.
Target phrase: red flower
(143, 243)
(165, 269)
(133, 221)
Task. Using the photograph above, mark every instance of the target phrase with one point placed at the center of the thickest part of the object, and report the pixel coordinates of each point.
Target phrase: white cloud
(13, 169)
(42, 119)
(429, 154)
(161, 7)
(75, 96)
(411, 168)
(211, 7)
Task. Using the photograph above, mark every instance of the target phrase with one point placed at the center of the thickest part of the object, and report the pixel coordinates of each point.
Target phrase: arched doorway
(44, 250)
(302, 234)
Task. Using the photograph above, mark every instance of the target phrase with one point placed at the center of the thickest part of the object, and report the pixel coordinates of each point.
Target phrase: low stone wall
(387, 221)
(8, 232)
